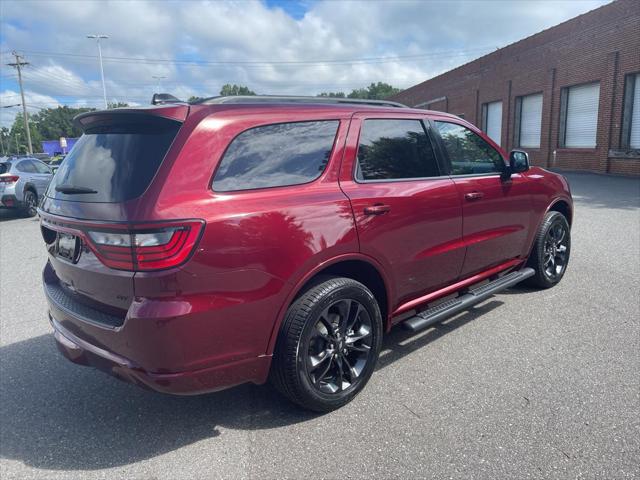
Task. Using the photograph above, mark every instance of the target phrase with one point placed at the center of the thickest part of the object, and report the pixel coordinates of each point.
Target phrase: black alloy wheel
(551, 250)
(328, 344)
(339, 346)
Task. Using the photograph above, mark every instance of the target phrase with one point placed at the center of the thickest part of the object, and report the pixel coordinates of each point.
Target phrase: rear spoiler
(89, 120)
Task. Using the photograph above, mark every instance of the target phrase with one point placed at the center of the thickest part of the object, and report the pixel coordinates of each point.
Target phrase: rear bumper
(172, 346)
(9, 201)
(180, 383)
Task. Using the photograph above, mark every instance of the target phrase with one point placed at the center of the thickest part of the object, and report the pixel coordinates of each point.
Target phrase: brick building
(569, 95)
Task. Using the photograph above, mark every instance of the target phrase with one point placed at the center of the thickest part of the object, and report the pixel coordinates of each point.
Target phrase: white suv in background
(23, 182)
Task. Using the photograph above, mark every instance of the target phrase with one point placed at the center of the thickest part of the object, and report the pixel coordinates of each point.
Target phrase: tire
(30, 204)
(551, 250)
(328, 344)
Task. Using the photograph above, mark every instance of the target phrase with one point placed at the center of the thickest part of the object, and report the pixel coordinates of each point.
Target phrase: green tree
(4, 141)
(375, 91)
(18, 136)
(118, 105)
(228, 90)
(332, 94)
(194, 99)
(53, 123)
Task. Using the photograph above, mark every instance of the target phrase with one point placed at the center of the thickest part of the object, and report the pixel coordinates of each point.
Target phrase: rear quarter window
(276, 155)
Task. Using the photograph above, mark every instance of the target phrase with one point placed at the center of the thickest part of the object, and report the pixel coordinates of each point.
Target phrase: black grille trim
(62, 300)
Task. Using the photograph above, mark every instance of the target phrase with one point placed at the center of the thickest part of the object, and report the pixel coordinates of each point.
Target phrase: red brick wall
(602, 45)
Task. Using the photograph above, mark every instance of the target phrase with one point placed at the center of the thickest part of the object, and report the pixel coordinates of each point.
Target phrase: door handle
(376, 209)
(471, 196)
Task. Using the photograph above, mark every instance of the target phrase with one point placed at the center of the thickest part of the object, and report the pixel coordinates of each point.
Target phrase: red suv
(197, 247)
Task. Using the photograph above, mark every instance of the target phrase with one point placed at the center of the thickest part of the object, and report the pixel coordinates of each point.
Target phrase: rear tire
(551, 250)
(30, 204)
(328, 344)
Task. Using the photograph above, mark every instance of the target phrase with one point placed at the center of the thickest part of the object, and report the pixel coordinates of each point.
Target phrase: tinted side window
(468, 152)
(395, 149)
(26, 166)
(276, 156)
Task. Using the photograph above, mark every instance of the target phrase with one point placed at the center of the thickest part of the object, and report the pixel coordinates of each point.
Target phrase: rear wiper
(70, 189)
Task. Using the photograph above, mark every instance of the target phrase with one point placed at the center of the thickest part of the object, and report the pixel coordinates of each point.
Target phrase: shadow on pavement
(604, 191)
(7, 214)
(60, 416)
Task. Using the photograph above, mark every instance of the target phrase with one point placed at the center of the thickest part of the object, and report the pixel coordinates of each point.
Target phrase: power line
(357, 61)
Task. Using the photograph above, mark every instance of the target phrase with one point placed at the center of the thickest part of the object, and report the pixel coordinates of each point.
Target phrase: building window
(579, 116)
(528, 121)
(631, 112)
(492, 120)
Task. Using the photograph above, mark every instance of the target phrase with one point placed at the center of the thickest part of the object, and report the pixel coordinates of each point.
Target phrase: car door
(28, 176)
(496, 211)
(44, 176)
(408, 216)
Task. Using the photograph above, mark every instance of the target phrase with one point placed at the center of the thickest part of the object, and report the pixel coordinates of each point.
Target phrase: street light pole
(104, 88)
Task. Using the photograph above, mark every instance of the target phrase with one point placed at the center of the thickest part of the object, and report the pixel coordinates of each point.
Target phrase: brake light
(5, 178)
(146, 247)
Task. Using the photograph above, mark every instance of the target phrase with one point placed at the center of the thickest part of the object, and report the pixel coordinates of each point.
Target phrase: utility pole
(104, 88)
(18, 64)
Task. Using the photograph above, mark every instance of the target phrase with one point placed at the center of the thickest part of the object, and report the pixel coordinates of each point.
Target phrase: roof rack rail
(296, 99)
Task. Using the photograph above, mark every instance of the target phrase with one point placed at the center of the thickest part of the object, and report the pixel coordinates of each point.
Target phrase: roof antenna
(163, 98)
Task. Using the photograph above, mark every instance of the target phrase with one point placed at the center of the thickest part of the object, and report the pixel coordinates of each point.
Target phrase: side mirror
(518, 161)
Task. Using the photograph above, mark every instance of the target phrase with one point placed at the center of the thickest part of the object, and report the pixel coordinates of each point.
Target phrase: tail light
(9, 178)
(145, 247)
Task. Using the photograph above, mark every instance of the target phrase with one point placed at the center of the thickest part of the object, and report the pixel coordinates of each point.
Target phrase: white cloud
(11, 104)
(446, 33)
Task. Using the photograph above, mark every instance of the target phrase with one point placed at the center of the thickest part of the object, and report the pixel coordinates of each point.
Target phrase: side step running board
(463, 302)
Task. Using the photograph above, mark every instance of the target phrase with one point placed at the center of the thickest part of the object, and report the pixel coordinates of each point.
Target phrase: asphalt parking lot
(530, 384)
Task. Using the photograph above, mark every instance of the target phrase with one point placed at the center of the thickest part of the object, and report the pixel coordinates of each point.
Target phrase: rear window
(276, 156)
(118, 162)
(4, 167)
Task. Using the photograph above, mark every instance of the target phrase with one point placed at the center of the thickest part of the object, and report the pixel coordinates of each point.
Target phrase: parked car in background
(23, 181)
(56, 161)
(196, 247)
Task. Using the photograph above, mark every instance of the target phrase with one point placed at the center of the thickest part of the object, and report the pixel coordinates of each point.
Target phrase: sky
(274, 46)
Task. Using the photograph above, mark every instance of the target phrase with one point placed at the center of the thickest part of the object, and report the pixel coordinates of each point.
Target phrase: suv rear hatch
(94, 238)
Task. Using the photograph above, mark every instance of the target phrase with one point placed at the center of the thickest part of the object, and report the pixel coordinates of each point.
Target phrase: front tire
(328, 344)
(551, 249)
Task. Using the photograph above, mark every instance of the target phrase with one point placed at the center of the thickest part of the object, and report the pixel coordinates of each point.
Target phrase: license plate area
(67, 247)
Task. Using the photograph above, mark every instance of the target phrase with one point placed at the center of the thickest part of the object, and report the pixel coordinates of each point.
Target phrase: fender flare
(293, 292)
(554, 201)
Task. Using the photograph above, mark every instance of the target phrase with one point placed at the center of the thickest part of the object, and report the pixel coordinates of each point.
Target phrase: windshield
(113, 163)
